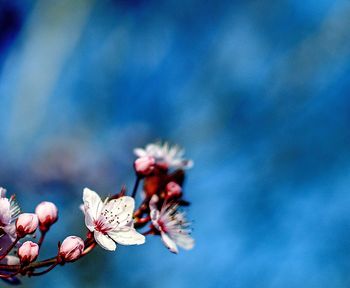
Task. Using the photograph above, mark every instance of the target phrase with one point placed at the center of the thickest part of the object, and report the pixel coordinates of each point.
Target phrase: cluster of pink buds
(109, 222)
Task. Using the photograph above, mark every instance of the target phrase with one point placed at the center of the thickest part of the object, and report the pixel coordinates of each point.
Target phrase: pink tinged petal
(104, 241)
(127, 236)
(92, 203)
(169, 243)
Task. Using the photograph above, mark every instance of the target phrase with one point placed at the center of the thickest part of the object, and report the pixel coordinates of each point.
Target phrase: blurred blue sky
(256, 91)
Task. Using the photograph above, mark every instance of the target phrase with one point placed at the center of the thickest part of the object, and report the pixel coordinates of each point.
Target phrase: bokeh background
(256, 91)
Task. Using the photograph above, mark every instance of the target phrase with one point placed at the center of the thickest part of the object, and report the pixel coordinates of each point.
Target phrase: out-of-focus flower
(111, 221)
(165, 155)
(71, 249)
(172, 225)
(173, 190)
(28, 252)
(47, 214)
(9, 211)
(26, 224)
(144, 165)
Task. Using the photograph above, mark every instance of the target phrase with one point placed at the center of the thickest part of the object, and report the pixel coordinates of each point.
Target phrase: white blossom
(170, 156)
(111, 221)
(172, 225)
(9, 211)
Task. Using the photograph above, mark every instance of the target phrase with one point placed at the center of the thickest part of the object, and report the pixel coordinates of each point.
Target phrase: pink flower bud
(47, 214)
(28, 252)
(173, 190)
(144, 165)
(26, 224)
(71, 249)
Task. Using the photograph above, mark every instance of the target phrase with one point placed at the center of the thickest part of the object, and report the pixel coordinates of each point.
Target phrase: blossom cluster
(160, 172)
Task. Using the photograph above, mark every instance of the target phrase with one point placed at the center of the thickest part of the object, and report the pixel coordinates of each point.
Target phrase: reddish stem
(45, 271)
(42, 237)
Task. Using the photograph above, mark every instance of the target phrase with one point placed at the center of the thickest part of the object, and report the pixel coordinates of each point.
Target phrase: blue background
(256, 91)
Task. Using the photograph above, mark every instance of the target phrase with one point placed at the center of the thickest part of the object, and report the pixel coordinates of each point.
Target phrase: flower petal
(185, 242)
(127, 236)
(89, 221)
(139, 152)
(92, 203)
(81, 208)
(118, 212)
(169, 243)
(104, 241)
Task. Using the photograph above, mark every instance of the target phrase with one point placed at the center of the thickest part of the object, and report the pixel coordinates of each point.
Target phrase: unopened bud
(173, 190)
(26, 224)
(47, 214)
(28, 252)
(71, 249)
(144, 165)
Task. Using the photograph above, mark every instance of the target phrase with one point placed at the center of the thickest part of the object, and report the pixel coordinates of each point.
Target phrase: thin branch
(137, 182)
(42, 237)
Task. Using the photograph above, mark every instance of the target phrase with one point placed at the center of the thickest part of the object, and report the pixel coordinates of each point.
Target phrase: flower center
(101, 227)
(162, 226)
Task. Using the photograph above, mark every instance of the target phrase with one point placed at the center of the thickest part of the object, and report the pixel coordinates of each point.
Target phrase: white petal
(92, 203)
(81, 208)
(185, 242)
(188, 164)
(104, 241)
(139, 152)
(169, 243)
(118, 212)
(89, 221)
(127, 236)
